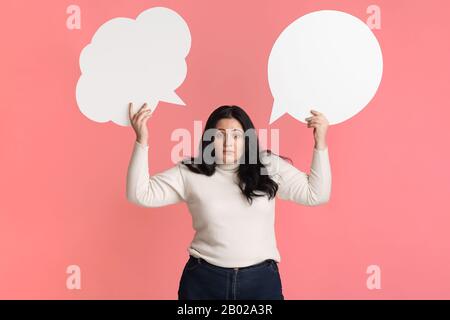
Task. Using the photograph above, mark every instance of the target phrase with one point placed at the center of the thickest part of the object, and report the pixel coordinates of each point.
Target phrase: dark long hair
(250, 179)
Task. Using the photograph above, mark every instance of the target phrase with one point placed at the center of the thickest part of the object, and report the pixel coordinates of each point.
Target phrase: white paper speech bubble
(327, 60)
(137, 61)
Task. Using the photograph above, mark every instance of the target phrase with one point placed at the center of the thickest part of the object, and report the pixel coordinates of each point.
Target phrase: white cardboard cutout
(137, 61)
(327, 60)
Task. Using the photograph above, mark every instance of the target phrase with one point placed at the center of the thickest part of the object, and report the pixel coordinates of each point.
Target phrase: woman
(230, 189)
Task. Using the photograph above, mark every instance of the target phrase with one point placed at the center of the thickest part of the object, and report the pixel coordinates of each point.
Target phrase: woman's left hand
(320, 125)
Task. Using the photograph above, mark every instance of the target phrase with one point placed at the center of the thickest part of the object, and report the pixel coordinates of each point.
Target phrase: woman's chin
(227, 160)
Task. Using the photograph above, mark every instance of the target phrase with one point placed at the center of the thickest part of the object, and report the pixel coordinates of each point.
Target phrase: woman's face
(228, 141)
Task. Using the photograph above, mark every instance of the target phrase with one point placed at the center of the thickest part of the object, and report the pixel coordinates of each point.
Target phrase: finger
(141, 109)
(130, 106)
(313, 123)
(144, 116)
(315, 112)
(143, 106)
(143, 122)
(315, 118)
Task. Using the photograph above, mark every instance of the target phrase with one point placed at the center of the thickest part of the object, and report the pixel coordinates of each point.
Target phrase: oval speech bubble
(327, 60)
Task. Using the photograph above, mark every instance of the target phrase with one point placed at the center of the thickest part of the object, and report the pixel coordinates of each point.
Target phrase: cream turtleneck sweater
(229, 231)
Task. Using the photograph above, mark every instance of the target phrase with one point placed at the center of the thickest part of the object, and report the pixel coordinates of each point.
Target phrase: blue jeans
(202, 280)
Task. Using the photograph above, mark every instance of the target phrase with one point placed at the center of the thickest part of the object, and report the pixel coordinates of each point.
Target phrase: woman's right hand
(139, 122)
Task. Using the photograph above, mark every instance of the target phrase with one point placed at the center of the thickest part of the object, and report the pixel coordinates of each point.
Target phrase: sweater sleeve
(307, 189)
(164, 188)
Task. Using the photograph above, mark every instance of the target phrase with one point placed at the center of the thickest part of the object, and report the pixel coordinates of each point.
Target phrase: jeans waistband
(201, 260)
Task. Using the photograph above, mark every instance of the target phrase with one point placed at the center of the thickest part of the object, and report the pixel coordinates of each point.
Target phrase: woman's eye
(234, 136)
(237, 136)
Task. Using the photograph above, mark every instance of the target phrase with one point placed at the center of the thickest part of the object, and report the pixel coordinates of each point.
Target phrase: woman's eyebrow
(234, 129)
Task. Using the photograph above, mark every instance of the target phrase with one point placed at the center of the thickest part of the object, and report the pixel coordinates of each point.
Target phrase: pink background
(63, 176)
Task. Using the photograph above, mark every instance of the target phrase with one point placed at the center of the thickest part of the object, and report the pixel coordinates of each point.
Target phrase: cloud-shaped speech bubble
(326, 60)
(137, 61)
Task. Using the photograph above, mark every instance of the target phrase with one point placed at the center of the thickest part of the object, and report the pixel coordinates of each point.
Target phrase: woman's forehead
(228, 123)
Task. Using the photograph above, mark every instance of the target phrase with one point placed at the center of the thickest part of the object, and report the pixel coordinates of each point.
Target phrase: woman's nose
(228, 140)
(229, 143)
